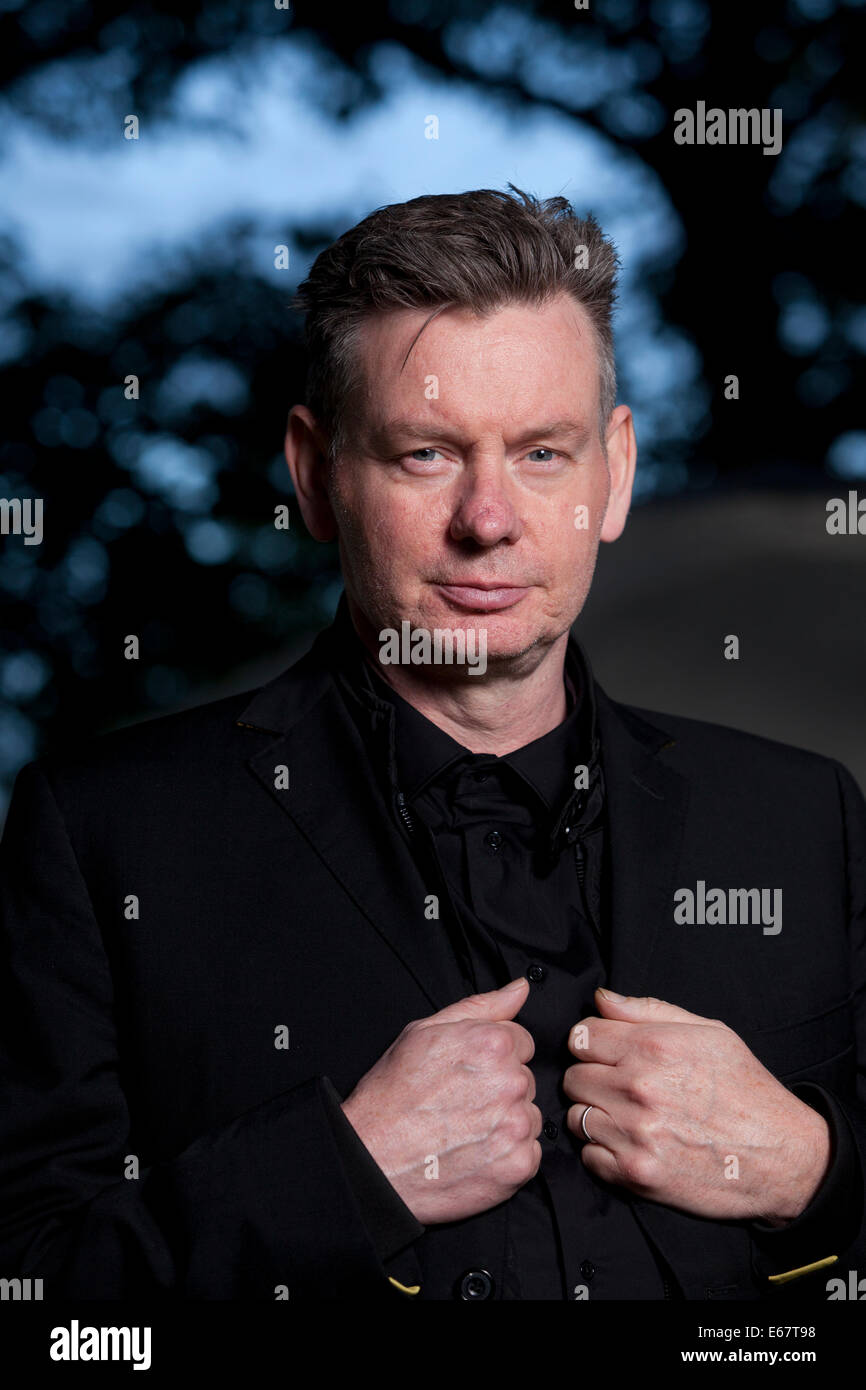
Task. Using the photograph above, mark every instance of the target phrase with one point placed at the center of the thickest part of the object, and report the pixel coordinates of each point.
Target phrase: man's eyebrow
(390, 430)
(578, 429)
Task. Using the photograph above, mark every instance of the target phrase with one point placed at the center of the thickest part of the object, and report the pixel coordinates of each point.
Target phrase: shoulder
(699, 746)
(172, 761)
(162, 738)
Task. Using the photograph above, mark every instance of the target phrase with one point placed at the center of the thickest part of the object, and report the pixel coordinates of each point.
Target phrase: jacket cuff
(829, 1224)
(389, 1222)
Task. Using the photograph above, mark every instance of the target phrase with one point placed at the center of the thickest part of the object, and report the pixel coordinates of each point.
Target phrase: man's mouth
(482, 595)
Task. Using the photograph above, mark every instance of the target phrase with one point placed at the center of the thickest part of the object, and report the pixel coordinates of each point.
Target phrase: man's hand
(447, 1112)
(686, 1115)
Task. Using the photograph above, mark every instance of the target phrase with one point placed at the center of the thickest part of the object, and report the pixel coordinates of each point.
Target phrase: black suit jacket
(172, 911)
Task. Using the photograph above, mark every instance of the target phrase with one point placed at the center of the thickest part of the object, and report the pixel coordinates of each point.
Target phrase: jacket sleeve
(386, 1216)
(259, 1208)
(833, 1222)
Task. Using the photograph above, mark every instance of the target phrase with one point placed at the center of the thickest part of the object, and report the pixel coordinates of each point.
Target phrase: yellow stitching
(804, 1269)
(404, 1288)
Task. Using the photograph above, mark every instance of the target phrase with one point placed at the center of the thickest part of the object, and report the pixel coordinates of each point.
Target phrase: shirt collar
(425, 752)
(419, 752)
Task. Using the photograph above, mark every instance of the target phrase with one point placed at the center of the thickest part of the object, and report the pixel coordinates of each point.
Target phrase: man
(315, 992)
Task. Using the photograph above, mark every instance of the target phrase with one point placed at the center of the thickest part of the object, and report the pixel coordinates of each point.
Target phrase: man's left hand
(684, 1114)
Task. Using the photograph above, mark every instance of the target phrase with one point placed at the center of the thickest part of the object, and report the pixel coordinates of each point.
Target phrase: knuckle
(518, 1124)
(514, 1086)
(493, 1040)
(643, 1134)
(656, 1046)
(523, 1164)
(528, 1039)
(639, 1088)
(411, 1033)
(638, 1169)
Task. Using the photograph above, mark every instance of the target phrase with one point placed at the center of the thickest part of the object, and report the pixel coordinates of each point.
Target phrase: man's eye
(425, 459)
(423, 451)
(542, 449)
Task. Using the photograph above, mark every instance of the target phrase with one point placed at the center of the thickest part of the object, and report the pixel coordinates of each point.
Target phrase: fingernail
(612, 994)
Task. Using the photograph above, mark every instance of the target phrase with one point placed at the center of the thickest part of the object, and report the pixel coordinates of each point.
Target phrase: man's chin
(492, 653)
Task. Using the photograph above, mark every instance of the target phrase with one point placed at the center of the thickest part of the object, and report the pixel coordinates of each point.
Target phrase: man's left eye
(542, 449)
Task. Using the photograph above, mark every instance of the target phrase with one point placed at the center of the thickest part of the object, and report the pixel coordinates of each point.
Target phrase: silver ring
(583, 1123)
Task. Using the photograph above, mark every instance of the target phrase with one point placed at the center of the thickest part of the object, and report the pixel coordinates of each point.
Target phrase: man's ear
(306, 455)
(621, 461)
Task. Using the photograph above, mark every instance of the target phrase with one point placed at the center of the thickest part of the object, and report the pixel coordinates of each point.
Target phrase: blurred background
(260, 127)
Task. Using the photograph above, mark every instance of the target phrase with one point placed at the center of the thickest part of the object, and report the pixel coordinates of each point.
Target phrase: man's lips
(483, 595)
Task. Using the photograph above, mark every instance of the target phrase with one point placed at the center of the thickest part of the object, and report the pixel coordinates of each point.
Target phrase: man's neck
(504, 713)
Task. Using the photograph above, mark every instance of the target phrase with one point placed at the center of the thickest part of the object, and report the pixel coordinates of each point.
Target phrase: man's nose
(485, 511)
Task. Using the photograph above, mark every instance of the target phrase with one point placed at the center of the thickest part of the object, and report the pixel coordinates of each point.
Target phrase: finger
(495, 1004)
(634, 1009)
(599, 1125)
(537, 1120)
(592, 1083)
(524, 1043)
(601, 1162)
(600, 1040)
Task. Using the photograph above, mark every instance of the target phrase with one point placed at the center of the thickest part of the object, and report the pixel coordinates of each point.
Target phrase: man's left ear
(621, 461)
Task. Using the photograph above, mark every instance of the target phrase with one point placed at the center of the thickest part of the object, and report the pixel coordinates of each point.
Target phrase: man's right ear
(306, 455)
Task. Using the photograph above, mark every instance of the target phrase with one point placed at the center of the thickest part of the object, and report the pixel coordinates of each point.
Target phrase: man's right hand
(454, 1087)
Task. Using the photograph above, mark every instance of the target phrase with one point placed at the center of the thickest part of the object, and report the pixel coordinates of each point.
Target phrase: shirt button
(493, 839)
(550, 1129)
(587, 1269)
(476, 1283)
(536, 973)
(481, 776)
(571, 833)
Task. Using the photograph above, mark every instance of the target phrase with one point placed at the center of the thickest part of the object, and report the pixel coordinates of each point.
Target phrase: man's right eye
(425, 460)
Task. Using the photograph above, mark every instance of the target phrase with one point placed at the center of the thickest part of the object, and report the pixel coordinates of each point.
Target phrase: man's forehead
(389, 410)
(396, 332)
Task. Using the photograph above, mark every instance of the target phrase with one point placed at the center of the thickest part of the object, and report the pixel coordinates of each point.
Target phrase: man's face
(458, 500)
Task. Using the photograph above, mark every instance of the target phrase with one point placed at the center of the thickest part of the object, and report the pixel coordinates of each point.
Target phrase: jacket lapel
(345, 818)
(646, 808)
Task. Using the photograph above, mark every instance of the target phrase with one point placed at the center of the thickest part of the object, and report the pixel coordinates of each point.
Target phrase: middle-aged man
(316, 991)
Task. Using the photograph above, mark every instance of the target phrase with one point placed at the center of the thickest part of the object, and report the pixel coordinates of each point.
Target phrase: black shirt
(518, 850)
